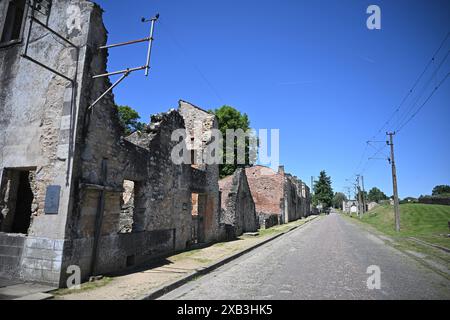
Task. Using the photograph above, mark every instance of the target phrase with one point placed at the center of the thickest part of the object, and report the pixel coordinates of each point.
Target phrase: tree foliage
(338, 200)
(231, 118)
(129, 119)
(440, 190)
(376, 195)
(323, 192)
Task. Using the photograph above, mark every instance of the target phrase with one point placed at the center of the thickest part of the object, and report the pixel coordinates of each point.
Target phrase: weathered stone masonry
(89, 170)
(279, 197)
(238, 207)
(74, 191)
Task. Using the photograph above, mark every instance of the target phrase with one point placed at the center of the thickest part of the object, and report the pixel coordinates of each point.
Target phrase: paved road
(326, 259)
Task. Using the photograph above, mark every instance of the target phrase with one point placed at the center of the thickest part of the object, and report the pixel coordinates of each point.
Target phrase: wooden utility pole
(394, 181)
(363, 194)
(360, 211)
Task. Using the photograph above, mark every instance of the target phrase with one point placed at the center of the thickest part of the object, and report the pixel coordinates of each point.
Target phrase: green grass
(280, 228)
(422, 221)
(84, 287)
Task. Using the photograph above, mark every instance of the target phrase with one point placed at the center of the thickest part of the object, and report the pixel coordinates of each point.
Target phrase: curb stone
(166, 288)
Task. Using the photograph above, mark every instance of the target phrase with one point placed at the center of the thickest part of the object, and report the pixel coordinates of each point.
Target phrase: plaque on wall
(52, 199)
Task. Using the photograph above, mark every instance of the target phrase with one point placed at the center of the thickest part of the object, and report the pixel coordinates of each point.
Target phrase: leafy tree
(338, 200)
(230, 118)
(376, 195)
(442, 189)
(129, 119)
(364, 195)
(323, 192)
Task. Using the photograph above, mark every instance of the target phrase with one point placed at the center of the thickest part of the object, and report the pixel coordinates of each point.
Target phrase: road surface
(326, 259)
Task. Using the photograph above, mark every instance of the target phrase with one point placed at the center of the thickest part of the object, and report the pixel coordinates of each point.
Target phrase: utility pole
(394, 181)
(312, 184)
(363, 194)
(360, 211)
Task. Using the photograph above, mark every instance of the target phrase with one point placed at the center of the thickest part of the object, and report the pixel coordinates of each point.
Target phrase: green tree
(338, 200)
(129, 119)
(230, 118)
(440, 190)
(376, 195)
(323, 192)
(364, 195)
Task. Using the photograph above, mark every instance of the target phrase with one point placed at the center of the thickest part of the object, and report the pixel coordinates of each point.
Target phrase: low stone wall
(435, 200)
(267, 220)
(119, 251)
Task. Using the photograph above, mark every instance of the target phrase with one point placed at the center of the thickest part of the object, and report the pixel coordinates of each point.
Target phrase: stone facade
(204, 177)
(279, 197)
(238, 207)
(350, 206)
(76, 169)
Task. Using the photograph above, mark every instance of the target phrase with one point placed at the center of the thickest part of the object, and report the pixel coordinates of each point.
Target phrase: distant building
(350, 206)
(279, 197)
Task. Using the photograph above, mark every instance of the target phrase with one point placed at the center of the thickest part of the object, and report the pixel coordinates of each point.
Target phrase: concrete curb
(166, 288)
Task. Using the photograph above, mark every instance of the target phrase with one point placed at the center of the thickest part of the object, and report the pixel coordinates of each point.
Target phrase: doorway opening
(16, 200)
(198, 217)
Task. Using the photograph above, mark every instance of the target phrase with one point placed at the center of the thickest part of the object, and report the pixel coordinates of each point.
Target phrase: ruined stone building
(73, 190)
(279, 197)
(238, 207)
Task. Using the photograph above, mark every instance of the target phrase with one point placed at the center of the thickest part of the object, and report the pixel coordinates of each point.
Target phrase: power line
(408, 94)
(189, 59)
(413, 87)
(433, 76)
(424, 103)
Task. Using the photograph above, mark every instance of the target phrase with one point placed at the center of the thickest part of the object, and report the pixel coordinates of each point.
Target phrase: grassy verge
(422, 221)
(280, 228)
(84, 287)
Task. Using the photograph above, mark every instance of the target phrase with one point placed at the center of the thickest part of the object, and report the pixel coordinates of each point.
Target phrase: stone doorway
(16, 200)
(199, 202)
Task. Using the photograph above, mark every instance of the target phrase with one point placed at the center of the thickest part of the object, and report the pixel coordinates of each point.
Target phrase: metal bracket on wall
(43, 8)
(125, 73)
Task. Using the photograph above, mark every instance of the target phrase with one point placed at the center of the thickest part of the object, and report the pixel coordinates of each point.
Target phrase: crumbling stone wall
(279, 197)
(204, 177)
(47, 128)
(37, 108)
(238, 207)
(267, 188)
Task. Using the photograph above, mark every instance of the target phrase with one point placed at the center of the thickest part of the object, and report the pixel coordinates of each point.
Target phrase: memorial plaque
(52, 199)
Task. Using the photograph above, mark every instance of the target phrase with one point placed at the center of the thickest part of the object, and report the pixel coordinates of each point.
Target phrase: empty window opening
(194, 155)
(194, 204)
(16, 201)
(131, 261)
(127, 207)
(12, 28)
(198, 217)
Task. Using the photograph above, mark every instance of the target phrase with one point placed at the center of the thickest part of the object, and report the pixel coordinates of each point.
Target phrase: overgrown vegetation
(231, 118)
(84, 287)
(422, 221)
(129, 119)
(376, 195)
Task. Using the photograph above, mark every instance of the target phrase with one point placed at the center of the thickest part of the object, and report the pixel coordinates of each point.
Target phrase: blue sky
(309, 68)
